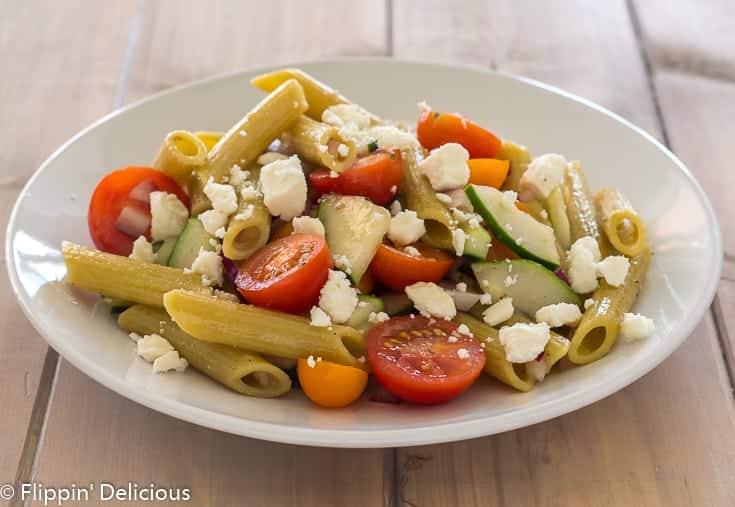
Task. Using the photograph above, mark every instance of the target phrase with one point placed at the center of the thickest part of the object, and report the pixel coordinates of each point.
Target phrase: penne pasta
(580, 208)
(180, 154)
(598, 330)
(557, 210)
(120, 277)
(248, 229)
(244, 372)
(260, 330)
(250, 137)
(519, 158)
(621, 223)
(321, 144)
(210, 139)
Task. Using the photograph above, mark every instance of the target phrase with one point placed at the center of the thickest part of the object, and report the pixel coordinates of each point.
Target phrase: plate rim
(379, 438)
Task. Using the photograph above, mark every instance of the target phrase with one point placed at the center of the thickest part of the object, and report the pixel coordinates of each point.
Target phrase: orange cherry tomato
(435, 129)
(490, 172)
(331, 385)
(396, 269)
(375, 176)
(286, 274)
(523, 207)
(119, 210)
(423, 360)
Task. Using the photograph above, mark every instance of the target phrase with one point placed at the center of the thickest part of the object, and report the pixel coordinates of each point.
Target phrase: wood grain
(115, 439)
(654, 443)
(48, 91)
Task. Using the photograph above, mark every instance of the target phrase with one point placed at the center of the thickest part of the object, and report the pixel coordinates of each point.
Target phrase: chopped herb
(372, 146)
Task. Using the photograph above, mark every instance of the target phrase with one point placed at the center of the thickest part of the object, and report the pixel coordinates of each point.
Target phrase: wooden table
(667, 440)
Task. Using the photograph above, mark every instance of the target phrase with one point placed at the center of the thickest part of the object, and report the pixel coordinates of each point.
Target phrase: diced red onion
(142, 191)
(133, 221)
(540, 356)
(229, 268)
(562, 276)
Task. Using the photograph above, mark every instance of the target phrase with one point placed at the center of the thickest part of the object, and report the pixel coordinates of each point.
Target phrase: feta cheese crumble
(486, 299)
(524, 342)
(168, 362)
(543, 174)
(499, 312)
(168, 215)
(337, 298)
(212, 220)
(343, 150)
(636, 327)
(463, 354)
(319, 318)
(377, 318)
(458, 241)
(614, 269)
(142, 250)
(406, 228)
(152, 346)
(583, 257)
(237, 176)
(222, 197)
(560, 314)
(209, 265)
(308, 225)
(510, 280)
(343, 263)
(446, 167)
(588, 303)
(284, 187)
(463, 329)
(431, 300)
(311, 362)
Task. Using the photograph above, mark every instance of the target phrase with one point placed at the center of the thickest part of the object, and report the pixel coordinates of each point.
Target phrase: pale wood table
(668, 66)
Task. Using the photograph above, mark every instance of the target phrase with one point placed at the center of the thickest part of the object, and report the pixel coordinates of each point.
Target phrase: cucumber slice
(366, 305)
(164, 249)
(397, 304)
(187, 246)
(354, 228)
(522, 233)
(477, 242)
(534, 286)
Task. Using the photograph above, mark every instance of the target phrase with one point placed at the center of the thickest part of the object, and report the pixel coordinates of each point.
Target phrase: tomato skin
(396, 269)
(415, 361)
(286, 274)
(331, 385)
(435, 129)
(111, 195)
(375, 176)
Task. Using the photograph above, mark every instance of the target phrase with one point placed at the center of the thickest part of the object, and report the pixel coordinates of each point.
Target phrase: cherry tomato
(396, 269)
(119, 210)
(490, 172)
(286, 274)
(423, 360)
(435, 129)
(331, 385)
(375, 176)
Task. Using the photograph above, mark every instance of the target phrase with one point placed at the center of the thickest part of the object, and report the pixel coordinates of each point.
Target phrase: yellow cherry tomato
(331, 385)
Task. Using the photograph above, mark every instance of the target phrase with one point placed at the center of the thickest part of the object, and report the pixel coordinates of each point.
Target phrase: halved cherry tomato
(331, 385)
(286, 274)
(416, 360)
(435, 129)
(375, 176)
(119, 210)
(396, 269)
(490, 172)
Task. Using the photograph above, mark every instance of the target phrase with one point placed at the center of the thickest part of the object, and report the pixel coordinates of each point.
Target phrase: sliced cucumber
(528, 237)
(164, 248)
(397, 304)
(529, 284)
(187, 246)
(366, 305)
(354, 228)
(477, 242)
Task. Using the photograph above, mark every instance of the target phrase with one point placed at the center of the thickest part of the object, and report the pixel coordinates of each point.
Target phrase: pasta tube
(519, 158)
(180, 154)
(580, 209)
(421, 198)
(119, 277)
(621, 223)
(557, 210)
(250, 137)
(557, 347)
(260, 330)
(244, 372)
(598, 330)
(249, 228)
(209, 138)
(321, 144)
(197, 197)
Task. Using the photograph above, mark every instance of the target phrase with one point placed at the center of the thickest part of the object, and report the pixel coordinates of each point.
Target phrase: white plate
(682, 227)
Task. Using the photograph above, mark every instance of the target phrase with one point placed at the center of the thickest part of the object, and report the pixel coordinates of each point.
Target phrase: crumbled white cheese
(212, 220)
(377, 318)
(452, 339)
(222, 197)
(209, 265)
(583, 257)
(463, 354)
(463, 329)
(343, 150)
(168, 215)
(543, 174)
(392, 138)
(460, 200)
(220, 233)
(524, 342)
(499, 312)
(333, 174)
(152, 346)
(614, 269)
(270, 156)
(458, 241)
(431, 300)
(446, 167)
(486, 299)
(337, 297)
(284, 187)
(135, 337)
(168, 362)
(636, 327)
(238, 176)
(588, 303)
(461, 287)
(245, 213)
(319, 318)
(351, 116)
(509, 198)
(544, 214)
(250, 193)
(406, 228)
(560, 314)
(510, 280)
(311, 362)
(395, 207)
(412, 251)
(307, 225)
(142, 250)
(444, 198)
(343, 263)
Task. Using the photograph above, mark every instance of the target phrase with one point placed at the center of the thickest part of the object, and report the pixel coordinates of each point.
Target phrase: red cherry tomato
(119, 210)
(423, 360)
(396, 269)
(375, 176)
(286, 274)
(435, 129)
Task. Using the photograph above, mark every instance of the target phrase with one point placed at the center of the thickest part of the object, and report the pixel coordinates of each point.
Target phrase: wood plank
(94, 433)
(45, 50)
(623, 450)
(690, 36)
